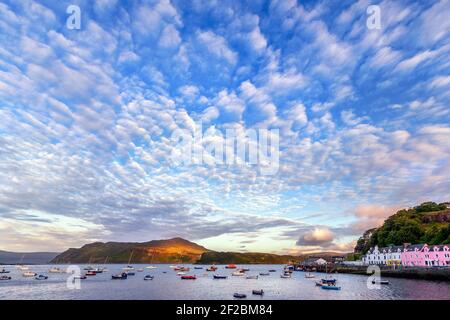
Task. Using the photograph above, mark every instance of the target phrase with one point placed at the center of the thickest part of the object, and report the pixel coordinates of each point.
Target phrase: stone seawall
(441, 274)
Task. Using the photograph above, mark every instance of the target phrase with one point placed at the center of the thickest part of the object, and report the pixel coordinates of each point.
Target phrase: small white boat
(55, 270)
(140, 270)
(151, 267)
(29, 274)
(309, 275)
(181, 273)
(128, 268)
(238, 274)
(148, 277)
(285, 276)
(22, 268)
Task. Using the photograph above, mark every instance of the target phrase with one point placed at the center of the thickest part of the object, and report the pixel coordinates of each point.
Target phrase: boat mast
(129, 260)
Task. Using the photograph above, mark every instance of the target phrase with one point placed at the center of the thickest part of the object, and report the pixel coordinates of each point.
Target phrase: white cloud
(217, 45)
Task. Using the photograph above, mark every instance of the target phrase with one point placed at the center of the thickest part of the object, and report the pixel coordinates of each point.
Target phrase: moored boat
(264, 273)
(128, 268)
(4, 271)
(328, 281)
(198, 268)
(130, 273)
(5, 278)
(148, 277)
(380, 282)
(181, 273)
(330, 287)
(90, 273)
(151, 267)
(309, 275)
(188, 277)
(258, 292)
(285, 275)
(29, 274)
(121, 276)
(272, 270)
(231, 266)
(212, 268)
(55, 270)
(80, 277)
(237, 274)
(140, 270)
(251, 277)
(240, 295)
(217, 276)
(41, 277)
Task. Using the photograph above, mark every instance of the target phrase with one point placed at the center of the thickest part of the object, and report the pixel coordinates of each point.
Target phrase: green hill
(427, 223)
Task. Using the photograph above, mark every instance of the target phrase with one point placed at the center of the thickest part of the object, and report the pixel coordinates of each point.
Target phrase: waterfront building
(410, 255)
(390, 256)
(423, 255)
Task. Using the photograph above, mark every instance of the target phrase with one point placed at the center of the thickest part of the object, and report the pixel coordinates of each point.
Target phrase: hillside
(176, 250)
(7, 257)
(212, 257)
(426, 223)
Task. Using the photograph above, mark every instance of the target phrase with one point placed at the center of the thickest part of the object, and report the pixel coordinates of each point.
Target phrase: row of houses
(414, 255)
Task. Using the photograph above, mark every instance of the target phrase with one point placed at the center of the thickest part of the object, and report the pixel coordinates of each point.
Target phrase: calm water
(169, 286)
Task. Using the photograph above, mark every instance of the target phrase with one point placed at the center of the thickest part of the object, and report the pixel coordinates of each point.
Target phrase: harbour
(166, 284)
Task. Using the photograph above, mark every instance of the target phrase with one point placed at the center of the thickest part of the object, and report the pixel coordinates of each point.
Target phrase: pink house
(423, 255)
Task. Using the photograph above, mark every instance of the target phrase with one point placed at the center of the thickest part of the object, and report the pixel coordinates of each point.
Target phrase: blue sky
(87, 116)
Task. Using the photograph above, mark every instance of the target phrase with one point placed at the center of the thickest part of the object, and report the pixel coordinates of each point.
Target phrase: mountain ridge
(10, 257)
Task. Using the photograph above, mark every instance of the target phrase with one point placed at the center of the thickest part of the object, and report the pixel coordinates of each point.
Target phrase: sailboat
(89, 267)
(55, 270)
(99, 269)
(129, 268)
(22, 267)
(151, 267)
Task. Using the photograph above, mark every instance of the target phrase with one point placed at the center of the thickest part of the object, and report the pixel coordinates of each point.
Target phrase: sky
(87, 117)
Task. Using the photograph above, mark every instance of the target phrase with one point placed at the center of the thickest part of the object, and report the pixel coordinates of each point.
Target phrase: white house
(384, 256)
(321, 262)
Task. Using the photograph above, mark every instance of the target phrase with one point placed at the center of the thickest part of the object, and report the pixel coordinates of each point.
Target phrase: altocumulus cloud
(87, 115)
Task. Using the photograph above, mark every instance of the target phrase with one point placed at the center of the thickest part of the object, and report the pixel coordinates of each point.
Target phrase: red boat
(91, 273)
(183, 269)
(231, 266)
(212, 268)
(188, 277)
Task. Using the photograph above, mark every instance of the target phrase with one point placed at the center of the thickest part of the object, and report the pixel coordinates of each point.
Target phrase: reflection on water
(169, 286)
